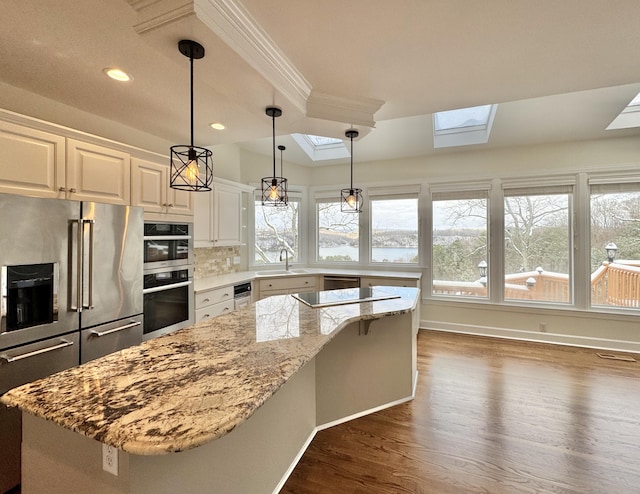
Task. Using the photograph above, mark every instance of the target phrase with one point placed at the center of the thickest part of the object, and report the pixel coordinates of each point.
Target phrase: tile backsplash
(211, 261)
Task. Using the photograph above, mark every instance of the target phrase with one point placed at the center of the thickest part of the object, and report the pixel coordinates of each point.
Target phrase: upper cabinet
(38, 163)
(219, 215)
(150, 189)
(96, 173)
(32, 162)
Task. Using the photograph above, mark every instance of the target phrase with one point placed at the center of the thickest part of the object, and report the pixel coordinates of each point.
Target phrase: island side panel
(60, 461)
(253, 458)
(358, 372)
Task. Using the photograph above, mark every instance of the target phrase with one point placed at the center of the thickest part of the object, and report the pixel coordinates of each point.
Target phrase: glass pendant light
(191, 167)
(274, 189)
(351, 198)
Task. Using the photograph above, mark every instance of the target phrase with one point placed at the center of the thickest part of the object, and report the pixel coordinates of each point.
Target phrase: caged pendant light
(191, 167)
(274, 189)
(285, 197)
(351, 199)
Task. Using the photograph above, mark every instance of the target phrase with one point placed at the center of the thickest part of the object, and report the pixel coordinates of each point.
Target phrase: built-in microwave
(167, 244)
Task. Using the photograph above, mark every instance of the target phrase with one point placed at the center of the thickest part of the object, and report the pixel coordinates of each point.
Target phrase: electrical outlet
(110, 459)
(228, 262)
(236, 259)
(543, 327)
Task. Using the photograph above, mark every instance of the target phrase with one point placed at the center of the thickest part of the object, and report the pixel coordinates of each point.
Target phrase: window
(615, 245)
(277, 228)
(459, 238)
(394, 229)
(338, 233)
(537, 244)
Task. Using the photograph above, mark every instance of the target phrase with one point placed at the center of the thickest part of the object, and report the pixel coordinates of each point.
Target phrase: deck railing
(615, 284)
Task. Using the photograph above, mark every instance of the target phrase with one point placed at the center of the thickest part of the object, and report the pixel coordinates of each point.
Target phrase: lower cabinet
(211, 303)
(287, 284)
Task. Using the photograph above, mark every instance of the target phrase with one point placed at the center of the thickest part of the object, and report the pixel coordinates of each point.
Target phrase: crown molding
(356, 111)
(234, 25)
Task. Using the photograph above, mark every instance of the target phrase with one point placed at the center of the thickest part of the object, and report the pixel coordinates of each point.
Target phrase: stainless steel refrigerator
(71, 276)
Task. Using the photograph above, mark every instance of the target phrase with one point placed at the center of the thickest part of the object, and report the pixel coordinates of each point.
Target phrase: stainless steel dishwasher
(337, 282)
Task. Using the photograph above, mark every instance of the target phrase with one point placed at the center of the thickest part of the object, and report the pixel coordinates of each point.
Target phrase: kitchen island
(227, 405)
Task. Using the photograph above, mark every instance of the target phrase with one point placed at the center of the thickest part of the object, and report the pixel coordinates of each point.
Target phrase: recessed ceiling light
(117, 74)
(217, 126)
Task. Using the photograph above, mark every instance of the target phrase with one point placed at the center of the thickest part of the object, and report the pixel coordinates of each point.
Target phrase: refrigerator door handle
(62, 344)
(89, 305)
(115, 330)
(78, 275)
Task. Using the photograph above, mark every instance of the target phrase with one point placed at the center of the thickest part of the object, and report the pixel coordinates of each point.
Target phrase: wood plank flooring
(490, 416)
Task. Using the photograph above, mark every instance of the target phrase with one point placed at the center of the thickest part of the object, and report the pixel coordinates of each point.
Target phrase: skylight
(629, 117)
(320, 148)
(463, 126)
(319, 141)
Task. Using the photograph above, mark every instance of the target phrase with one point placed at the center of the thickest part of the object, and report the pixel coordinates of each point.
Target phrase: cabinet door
(96, 173)
(179, 201)
(31, 162)
(148, 185)
(202, 222)
(227, 214)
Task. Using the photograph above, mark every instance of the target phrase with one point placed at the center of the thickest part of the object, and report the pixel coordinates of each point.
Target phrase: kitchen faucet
(286, 259)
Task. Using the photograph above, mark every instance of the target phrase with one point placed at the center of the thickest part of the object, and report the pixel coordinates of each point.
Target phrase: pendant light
(191, 167)
(274, 189)
(285, 197)
(351, 199)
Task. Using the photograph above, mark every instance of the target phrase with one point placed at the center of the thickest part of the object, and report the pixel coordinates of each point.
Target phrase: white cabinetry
(97, 173)
(287, 284)
(368, 281)
(150, 189)
(218, 215)
(32, 162)
(211, 303)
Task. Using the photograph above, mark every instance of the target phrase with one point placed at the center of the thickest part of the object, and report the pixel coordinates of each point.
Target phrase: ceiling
(558, 70)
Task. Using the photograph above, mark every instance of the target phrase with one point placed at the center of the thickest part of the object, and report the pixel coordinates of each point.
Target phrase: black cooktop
(344, 296)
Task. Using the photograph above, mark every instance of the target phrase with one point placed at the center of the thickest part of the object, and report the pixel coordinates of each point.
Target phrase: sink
(280, 272)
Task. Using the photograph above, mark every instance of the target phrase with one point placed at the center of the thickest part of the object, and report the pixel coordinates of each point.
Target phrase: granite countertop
(187, 388)
(209, 282)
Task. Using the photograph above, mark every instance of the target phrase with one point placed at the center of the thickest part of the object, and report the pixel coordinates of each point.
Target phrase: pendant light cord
(191, 63)
(273, 133)
(351, 162)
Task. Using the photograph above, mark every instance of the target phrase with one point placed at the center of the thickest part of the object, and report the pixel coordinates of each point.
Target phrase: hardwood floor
(490, 416)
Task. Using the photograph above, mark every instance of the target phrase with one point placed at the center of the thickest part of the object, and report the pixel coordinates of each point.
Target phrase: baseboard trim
(551, 338)
(295, 461)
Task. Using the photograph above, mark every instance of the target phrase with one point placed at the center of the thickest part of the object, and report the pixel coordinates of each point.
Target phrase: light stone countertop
(184, 389)
(218, 281)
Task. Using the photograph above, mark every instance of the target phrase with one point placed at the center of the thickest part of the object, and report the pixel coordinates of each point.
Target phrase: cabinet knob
(306, 282)
(270, 285)
(170, 205)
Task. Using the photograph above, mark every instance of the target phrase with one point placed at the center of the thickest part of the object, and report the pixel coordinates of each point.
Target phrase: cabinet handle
(225, 309)
(226, 295)
(62, 189)
(206, 316)
(72, 190)
(170, 205)
(205, 300)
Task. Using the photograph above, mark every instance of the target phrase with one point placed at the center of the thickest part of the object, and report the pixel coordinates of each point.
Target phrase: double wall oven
(169, 301)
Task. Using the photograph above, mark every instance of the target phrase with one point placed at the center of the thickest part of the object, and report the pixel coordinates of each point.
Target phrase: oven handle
(115, 330)
(167, 237)
(63, 344)
(166, 287)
